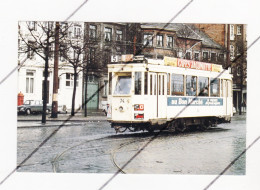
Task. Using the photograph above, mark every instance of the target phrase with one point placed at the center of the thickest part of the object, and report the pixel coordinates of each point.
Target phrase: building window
(92, 32)
(108, 34)
(32, 25)
(91, 56)
(238, 70)
(159, 40)
(76, 54)
(70, 80)
(77, 31)
(232, 34)
(239, 30)
(64, 28)
(29, 81)
(232, 50)
(119, 35)
(148, 40)
(160, 57)
(105, 88)
(30, 49)
(180, 54)
(169, 41)
(232, 70)
(196, 56)
(205, 56)
(62, 52)
(213, 57)
(221, 57)
(188, 55)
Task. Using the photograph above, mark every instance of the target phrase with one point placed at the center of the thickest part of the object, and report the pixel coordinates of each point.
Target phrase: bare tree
(73, 50)
(38, 38)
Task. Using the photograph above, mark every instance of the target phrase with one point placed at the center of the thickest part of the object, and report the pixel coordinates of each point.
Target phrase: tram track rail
(58, 156)
(114, 151)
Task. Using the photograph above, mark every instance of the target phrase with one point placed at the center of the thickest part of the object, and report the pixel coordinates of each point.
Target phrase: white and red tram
(147, 94)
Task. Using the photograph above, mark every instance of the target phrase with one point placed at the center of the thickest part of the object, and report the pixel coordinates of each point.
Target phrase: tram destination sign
(184, 101)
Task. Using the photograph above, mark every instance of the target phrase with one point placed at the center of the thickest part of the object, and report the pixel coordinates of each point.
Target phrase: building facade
(100, 41)
(233, 38)
(32, 61)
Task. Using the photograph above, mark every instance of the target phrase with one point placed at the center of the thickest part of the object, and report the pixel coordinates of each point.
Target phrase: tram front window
(123, 85)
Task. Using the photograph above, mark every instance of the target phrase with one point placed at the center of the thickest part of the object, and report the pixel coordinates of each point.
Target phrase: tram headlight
(121, 108)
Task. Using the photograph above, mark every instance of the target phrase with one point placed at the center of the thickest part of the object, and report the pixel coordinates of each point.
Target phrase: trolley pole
(54, 113)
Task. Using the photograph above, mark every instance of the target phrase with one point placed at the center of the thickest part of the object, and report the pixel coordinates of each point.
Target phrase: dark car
(32, 106)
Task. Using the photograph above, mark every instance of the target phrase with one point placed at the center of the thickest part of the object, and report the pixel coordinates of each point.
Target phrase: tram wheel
(150, 129)
(172, 126)
(132, 129)
(120, 129)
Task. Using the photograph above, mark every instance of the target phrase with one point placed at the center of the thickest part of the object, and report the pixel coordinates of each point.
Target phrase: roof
(184, 31)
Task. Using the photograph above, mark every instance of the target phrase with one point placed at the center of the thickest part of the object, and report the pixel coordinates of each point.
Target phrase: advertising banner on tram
(197, 101)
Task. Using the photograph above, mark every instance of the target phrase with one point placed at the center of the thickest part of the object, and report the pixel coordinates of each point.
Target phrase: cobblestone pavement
(93, 147)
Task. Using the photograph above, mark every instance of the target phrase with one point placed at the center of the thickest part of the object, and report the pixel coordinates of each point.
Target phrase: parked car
(33, 106)
(62, 109)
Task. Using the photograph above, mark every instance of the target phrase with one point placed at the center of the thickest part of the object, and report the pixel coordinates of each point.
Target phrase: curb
(38, 120)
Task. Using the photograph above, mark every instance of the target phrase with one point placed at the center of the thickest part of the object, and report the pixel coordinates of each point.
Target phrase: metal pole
(54, 113)
(86, 92)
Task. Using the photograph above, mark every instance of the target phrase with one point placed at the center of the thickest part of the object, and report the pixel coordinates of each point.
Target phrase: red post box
(20, 98)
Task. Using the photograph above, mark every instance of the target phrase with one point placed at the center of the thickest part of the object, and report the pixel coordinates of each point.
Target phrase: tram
(169, 94)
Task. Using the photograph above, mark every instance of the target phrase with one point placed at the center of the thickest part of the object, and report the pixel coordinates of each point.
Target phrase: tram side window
(214, 87)
(203, 86)
(159, 85)
(177, 85)
(168, 83)
(154, 93)
(146, 83)
(110, 83)
(138, 83)
(163, 84)
(221, 88)
(191, 85)
(151, 84)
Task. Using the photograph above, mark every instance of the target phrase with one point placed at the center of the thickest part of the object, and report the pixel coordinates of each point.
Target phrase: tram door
(153, 106)
(229, 98)
(161, 95)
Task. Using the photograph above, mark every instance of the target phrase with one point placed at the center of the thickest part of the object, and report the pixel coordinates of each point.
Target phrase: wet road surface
(95, 148)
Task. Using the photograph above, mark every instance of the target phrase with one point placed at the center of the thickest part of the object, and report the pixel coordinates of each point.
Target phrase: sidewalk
(65, 119)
